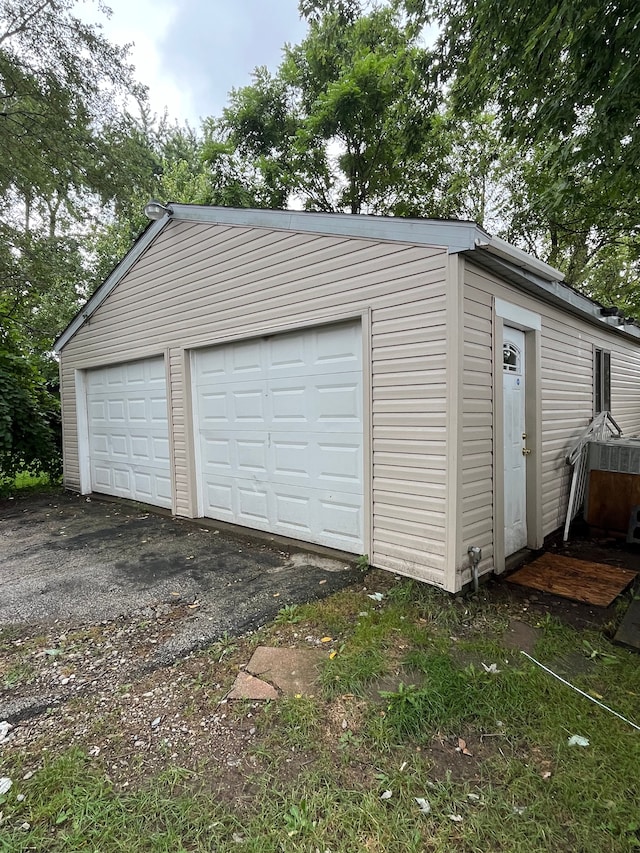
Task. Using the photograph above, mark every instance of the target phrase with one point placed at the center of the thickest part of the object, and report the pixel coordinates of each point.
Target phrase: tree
(175, 169)
(564, 80)
(563, 72)
(351, 119)
(67, 149)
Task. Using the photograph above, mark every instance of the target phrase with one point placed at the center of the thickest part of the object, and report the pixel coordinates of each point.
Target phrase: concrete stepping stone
(247, 686)
(293, 671)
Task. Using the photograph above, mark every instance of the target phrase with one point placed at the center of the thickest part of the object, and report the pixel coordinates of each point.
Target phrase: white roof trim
(454, 235)
(516, 256)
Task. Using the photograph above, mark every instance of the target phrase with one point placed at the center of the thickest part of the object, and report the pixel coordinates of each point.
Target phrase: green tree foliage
(559, 72)
(29, 416)
(175, 171)
(67, 148)
(350, 121)
(564, 79)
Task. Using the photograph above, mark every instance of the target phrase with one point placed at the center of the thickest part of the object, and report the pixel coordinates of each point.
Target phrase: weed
(225, 646)
(20, 673)
(296, 818)
(592, 653)
(296, 719)
(288, 615)
(362, 563)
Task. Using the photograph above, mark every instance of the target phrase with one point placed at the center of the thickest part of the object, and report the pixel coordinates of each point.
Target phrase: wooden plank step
(579, 580)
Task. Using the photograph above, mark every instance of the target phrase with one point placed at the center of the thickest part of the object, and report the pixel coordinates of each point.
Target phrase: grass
(27, 483)
(319, 765)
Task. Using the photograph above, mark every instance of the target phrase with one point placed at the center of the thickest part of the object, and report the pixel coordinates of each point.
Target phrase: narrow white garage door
(279, 434)
(128, 431)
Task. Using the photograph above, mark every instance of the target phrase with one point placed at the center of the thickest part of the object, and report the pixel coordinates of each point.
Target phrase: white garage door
(128, 431)
(279, 434)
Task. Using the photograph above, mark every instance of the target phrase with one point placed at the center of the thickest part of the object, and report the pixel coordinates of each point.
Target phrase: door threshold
(517, 559)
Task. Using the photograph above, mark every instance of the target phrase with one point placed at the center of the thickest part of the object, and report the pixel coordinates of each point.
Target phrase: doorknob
(526, 451)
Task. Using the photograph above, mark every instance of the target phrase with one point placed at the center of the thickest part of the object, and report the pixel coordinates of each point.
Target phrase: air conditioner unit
(613, 484)
(621, 455)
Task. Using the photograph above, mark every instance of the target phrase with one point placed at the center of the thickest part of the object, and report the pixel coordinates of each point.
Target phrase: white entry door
(128, 431)
(515, 468)
(279, 434)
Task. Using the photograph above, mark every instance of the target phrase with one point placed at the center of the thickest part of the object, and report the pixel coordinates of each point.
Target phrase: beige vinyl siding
(477, 425)
(69, 428)
(625, 387)
(200, 284)
(178, 440)
(409, 433)
(567, 344)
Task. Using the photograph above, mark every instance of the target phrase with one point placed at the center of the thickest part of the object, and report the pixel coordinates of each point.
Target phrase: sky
(190, 53)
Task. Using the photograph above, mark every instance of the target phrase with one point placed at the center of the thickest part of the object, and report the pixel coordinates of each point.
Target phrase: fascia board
(499, 247)
(455, 236)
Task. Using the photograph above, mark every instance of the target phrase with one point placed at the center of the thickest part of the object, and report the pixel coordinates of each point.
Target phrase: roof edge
(456, 236)
(452, 234)
(551, 291)
(502, 249)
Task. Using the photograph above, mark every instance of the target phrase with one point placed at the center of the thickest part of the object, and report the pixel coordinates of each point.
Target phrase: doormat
(579, 580)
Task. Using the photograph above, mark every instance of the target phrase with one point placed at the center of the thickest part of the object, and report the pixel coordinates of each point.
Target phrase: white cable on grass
(581, 692)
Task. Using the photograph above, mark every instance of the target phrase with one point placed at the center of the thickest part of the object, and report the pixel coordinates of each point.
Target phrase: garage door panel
(122, 480)
(285, 353)
(293, 513)
(216, 454)
(247, 406)
(339, 403)
(214, 408)
(160, 451)
(141, 448)
(252, 503)
(279, 424)
(288, 404)
(245, 358)
(340, 464)
(251, 455)
(291, 458)
(137, 411)
(128, 431)
(135, 374)
(341, 519)
(119, 446)
(115, 411)
(101, 475)
(338, 346)
(158, 411)
(219, 498)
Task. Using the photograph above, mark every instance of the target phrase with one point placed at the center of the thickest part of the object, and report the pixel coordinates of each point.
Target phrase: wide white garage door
(279, 434)
(128, 431)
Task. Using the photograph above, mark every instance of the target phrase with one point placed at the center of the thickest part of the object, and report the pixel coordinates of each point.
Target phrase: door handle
(526, 451)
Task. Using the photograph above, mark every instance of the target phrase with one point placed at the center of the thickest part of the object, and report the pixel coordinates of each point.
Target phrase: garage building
(393, 387)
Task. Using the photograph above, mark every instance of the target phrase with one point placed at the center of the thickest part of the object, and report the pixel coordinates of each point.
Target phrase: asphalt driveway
(76, 561)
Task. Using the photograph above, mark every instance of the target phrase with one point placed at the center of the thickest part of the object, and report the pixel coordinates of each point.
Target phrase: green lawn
(406, 710)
